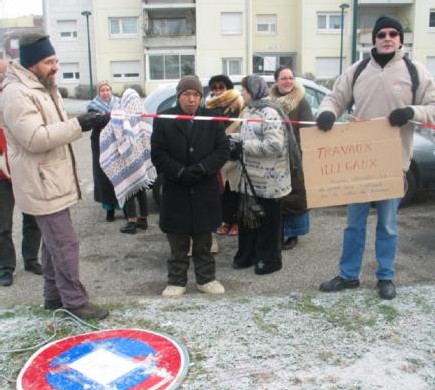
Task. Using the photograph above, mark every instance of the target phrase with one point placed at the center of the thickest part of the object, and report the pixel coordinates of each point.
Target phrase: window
(231, 66)
(266, 24)
(231, 23)
(67, 29)
(70, 72)
(125, 70)
(162, 27)
(123, 27)
(327, 68)
(268, 63)
(328, 22)
(171, 66)
(432, 19)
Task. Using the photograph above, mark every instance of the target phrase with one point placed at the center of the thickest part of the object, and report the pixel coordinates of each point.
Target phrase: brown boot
(90, 311)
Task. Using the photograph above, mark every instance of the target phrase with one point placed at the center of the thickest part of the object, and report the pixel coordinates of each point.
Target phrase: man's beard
(48, 83)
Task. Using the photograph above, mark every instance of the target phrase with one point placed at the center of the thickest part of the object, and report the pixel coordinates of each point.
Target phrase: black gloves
(198, 170)
(236, 149)
(400, 116)
(325, 120)
(92, 120)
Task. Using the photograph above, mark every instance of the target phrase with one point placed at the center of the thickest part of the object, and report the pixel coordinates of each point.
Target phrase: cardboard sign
(352, 163)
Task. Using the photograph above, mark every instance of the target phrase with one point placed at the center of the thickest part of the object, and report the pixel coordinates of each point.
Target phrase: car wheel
(412, 185)
(157, 191)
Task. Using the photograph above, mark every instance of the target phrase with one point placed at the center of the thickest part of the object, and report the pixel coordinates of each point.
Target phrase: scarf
(99, 105)
(125, 148)
(231, 102)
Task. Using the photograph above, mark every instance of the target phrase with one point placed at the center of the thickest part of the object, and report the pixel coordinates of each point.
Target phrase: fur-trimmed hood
(291, 100)
(231, 102)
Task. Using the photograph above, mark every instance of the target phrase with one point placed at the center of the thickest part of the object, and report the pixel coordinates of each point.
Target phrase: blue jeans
(355, 238)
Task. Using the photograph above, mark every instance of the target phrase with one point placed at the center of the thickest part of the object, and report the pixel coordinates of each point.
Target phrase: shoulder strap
(361, 66)
(414, 77)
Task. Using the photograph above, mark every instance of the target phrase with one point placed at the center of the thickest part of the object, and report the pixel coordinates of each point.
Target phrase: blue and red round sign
(115, 359)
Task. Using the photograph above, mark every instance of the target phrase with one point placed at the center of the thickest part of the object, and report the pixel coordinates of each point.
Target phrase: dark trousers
(60, 260)
(230, 203)
(31, 234)
(262, 244)
(130, 205)
(203, 261)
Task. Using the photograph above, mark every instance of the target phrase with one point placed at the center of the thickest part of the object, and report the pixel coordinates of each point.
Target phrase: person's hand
(4, 166)
(236, 149)
(92, 120)
(197, 170)
(187, 178)
(400, 116)
(325, 120)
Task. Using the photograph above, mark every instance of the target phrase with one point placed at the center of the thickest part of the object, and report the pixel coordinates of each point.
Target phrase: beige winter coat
(378, 91)
(44, 177)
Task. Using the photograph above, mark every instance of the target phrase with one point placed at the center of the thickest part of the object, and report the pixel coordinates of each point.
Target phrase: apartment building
(149, 42)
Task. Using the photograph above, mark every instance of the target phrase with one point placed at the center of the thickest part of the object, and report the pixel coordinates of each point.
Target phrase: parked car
(420, 176)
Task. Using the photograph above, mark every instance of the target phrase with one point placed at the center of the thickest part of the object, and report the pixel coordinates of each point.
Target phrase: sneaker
(338, 284)
(52, 304)
(386, 289)
(6, 279)
(128, 228)
(142, 223)
(213, 287)
(90, 311)
(214, 245)
(289, 243)
(173, 291)
(34, 267)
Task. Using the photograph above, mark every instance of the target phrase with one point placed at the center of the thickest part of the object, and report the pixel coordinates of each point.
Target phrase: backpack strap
(361, 66)
(414, 77)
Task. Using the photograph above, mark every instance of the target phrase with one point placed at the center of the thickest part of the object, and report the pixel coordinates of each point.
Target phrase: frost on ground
(350, 340)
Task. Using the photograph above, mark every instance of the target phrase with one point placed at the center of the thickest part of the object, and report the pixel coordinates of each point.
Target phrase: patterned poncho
(125, 148)
(99, 105)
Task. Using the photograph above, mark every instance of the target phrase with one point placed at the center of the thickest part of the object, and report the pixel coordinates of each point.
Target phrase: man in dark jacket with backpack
(385, 86)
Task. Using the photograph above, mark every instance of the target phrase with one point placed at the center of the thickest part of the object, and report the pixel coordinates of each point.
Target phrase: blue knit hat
(34, 48)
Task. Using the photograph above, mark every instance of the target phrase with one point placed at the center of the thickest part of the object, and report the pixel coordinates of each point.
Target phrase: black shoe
(386, 289)
(290, 243)
(6, 279)
(90, 312)
(110, 215)
(129, 228)
(338, 284)
(52, 304)
(263, 269)
(237, 265)
(34, 267)
(142, 223)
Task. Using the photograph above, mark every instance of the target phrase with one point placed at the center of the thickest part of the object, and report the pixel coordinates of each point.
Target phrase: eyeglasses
(286, 78)
(191, 94)
(383, 34)
(219, 87)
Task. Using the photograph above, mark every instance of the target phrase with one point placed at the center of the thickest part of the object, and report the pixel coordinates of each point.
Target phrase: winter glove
(197, 170)
(3, 166)
(325, 120)
(400, 116)
(187, 178)
(236, 149)
(92, 120)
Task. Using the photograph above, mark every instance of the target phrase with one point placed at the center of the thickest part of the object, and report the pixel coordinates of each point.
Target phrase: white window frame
(328, 16)
(269, 22)
(70, 68)
(231, 23)
(226, 66)
(121, 21)
(169, 53)
(67, 29)
(431, 12)
(125, 70)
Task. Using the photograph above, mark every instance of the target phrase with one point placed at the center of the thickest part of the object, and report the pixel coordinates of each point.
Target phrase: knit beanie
(34, 47)
(189, 82)
(385, 22)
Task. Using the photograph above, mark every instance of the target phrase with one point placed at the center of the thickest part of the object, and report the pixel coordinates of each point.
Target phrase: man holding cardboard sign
(382, 89)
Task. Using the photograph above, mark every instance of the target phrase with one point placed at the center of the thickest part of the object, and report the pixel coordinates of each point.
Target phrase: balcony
(167, 4)
(385, 2)
(169, 41)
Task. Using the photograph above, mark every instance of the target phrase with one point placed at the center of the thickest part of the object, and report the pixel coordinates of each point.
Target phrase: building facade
(150, 42)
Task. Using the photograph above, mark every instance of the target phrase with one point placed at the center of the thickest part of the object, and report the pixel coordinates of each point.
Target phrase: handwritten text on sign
(353, 162)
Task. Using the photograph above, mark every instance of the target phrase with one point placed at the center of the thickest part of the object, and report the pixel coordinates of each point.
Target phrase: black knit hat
(189, 82)
(221, 78)
(385, 22)
(34, 47)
